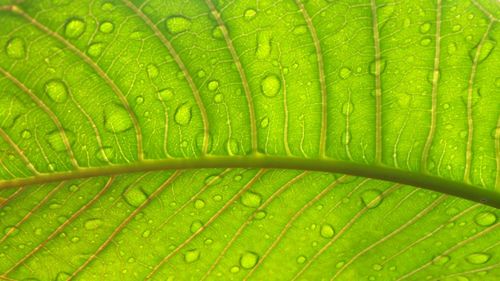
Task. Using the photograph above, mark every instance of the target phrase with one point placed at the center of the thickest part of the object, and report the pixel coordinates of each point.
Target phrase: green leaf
(259, 140)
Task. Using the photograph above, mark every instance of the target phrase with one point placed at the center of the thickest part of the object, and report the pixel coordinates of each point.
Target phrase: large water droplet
(345, 72)
(213, 85)
(56, 90)
(183, 114)
(424, 28)
(134, 196)
(263, 44)
(478, 258)
(15, 48)
(270, 85)
(116, 119)
(327, 231)
(199, 204)
(195, 225)
(485, 218)
(440, 260)
(178, 24)
(106, 27)
(191, 255)
(251, 199)
(248, 260)
(371, 198)
(74, 28)
(92, 224)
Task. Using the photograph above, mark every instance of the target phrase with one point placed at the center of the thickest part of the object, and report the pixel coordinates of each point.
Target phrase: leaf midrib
(420, 180)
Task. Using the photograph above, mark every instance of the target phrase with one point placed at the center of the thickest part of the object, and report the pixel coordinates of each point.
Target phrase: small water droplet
(264, 122)
(249, 14)
(248, 260)
(166, 94)
(195, 225)
(26, 134)
(56, 90)
(183, 114)
(116, 119)
(452, 48)
(425, 41)
(260, 215)
(327, 231)
(340, 264)
(95, 49)
(250, 199)
(486, 49)
(56, 142)
(199, 204)
(235, 269)
(191, 255)
(377, 267)
(425, 27)
(345, 72)
(152, 71)
(263, 44)
(92, 224)
(15, 48)
(456, 27)
(478, 258)
(347, 108)
(217, 32)
(213, 85)
(146, 233)
(371, 198)
(74, 28)
(270, 85)
(201, 73)
(218, 98)
(299, 29)
(373, 67)
(107, 27)
(134, 196)
(440, 260)
(178, 24)
(217, 197)
(301, 259)
(108, 7)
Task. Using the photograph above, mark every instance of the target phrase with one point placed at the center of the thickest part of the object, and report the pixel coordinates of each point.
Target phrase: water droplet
(134, 196)
(456, 27)
(95, 49)
(195, 225)
(146, 233)
(201, 73)
(424, 28)
(74, 28)
(235, 269)
(26, 134)
(107, 7)
(217, 33)
(178, 24)
(218, 98)
(199, 204)
(377, 267)
(248, 260)
(251, 199)
(263, 44)
(56, 90)
(486, 50)
(440, 260)
(116, 119)
(260, 215)
(73, 188)
(371, 198)
(373, 65)
(92, 224)
(15, 48)
(213, 85)
(107, 27)
(425, 41)
(139, 100)
(478, 258)
(56, 142)
(217, 197)
(340, 264)
(166, 94)
(270, 85)
(300, 29)
(301, 259)
(452, 48)
(249, 14)
(191, 255)
(152, 71)
(347, 108)
(345, 73)
(327, 231)
(264, 122)
(183, 114)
